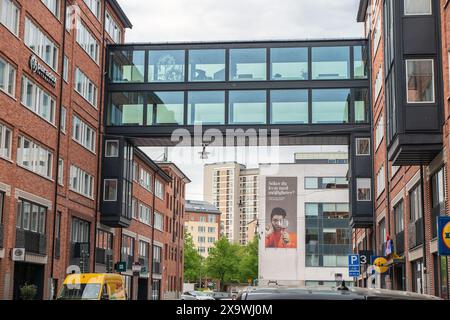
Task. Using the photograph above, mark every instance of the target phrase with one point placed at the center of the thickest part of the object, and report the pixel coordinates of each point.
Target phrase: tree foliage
(193, 261)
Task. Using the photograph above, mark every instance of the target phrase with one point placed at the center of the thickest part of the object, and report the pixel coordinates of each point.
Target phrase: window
(399, 219)
(360, 62)
(212, 218)
(145, 180)
(166, 66)
(159, 189)
(289, 107)
(87, 41)
(126, 109)
(80, 231)
(85, 87)
(364, 188)
(53, 6)
(66, 69)
(127, 66)
(326, 183)
(377, 34)
(415, 204)
(5, 142)
(201, 239)
(382, 232)
(111, 148)
(134, 208)
(40, 44)
(63, 119)
(420, 81)
(330, 63)
(380, 181)
(165, 108)
(363, 146)
(378, 83)
(289, 64)
(33, 157)
(211, 229)
(127, 250)
(61, 172)
(379, 131)
(207, 65)
(361, 107)
(94, 6)
(201, 229)
(247, 107)
(112, 28)
(31, 217)
(110, 190)
(206, 107)
(418, 7)
(83, 134)
(9, 16)
(248, 65)
(7, 77)
(438, 198)
(211, 239)
(135, 171)
(37, 100)
(159, 221)
(81, 182)
(145, 214)
(312, 210)
(330, 106)
(104, 240)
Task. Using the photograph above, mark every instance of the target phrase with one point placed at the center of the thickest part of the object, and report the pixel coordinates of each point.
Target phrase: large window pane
(420, 77)
(330, 105)
(166, 66)
(330, 63)
(418, 7)
(206, 107)
(248, 64)
(361, 105)
(289, 64)
(126, 108)
(359, 64)
(207, 65)
(288, 106)
(168, 106)
(127, 66)
(247, 107)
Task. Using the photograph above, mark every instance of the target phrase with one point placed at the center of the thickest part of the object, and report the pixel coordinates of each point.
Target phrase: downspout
(58, 145)
(100, 135)
(153, 235)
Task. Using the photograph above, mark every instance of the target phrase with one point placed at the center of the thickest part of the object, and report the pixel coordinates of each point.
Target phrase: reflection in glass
(247, 107)
(126, 108)
(248, 64)
(207, 65)
(420, 77)
(166, 107)
(330, 63)
(127, 66)
(289, 63)
(288, 106)
(361, 105)
(206, 107)
(359, 64)
(166, 66)
(330, 105)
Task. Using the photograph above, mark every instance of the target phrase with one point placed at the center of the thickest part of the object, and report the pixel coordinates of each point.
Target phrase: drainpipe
(58, 146)
(422, 196)
(153, 235)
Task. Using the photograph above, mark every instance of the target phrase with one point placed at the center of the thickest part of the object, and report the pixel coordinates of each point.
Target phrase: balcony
(129, 260)
(80, 255)
(32, 242)
(400, 243)
(415, 233)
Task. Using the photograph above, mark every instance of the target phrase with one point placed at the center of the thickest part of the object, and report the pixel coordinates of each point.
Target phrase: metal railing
(31, 241)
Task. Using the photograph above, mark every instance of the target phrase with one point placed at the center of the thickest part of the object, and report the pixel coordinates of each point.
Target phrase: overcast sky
(214, 20)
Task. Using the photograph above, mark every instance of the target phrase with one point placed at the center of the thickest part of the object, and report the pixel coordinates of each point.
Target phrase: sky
(221, 20)
(216, 20)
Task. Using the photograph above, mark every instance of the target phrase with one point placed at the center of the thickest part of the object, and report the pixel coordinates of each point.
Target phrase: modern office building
(203, 224)
(317, 219)
(409, 48)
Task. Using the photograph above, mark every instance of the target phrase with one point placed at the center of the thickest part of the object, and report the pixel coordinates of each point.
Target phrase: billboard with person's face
(281, 212)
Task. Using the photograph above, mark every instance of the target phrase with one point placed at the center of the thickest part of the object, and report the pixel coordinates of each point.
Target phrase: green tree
(223, 262)
(248, 267)
(193, 261)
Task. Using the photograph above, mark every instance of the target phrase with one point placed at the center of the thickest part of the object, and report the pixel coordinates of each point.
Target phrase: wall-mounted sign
(42, 71)
(444, 236)
(18, 254)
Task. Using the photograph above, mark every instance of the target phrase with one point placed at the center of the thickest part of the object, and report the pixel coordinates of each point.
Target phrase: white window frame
(143, 175)
(357, 149)
(145, 214)
(159, 221)
(159, 189)
(430, 12)
(94, 6)
(63, 119)
(85, 83)
(117, 149)
(61, 172)
(85, 131)
(88, 42)
(8, 68)
(379, 133)
(13, 15)
(5, 146)
(104, 190)
(112, 28)
(38, 95)
(433, 82)
(381, 184)
(77, 181)
(57, 7)
(66, 69)
(363, 181)
(35, 156)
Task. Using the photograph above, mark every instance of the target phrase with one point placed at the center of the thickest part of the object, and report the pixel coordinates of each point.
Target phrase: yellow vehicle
(93, 286)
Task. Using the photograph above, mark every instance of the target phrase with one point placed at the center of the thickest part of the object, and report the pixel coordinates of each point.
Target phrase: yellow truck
(93, 286)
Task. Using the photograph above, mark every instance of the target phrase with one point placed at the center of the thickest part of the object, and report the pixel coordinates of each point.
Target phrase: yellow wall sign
(380, 265)
(446, 235)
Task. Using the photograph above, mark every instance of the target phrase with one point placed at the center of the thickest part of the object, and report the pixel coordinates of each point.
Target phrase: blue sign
(444, 236)
(354, 265)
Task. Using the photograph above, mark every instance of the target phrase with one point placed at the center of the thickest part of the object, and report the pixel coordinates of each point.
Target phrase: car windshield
(198, 293)
(88, 291)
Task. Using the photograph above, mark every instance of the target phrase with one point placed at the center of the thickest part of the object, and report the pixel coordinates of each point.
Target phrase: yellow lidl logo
(380, 265)
(446, 235)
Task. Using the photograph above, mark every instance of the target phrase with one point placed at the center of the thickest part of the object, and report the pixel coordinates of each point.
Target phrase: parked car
(221, 296)
(196, 295)
(93, 286)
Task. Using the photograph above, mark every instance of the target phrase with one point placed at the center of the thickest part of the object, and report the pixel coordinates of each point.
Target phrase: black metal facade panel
(416, 35)
(421, 119)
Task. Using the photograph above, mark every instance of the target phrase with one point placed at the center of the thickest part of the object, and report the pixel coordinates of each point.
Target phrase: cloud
(215, 20)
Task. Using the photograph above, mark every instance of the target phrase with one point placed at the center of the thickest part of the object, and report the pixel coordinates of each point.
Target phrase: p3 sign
(364, 257)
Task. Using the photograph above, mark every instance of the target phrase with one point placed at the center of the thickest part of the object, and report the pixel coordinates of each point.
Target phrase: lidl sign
(444, 236)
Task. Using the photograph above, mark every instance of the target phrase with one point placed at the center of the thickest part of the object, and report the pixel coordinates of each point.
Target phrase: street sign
(444, 236)
(120, 266)
(354, 265)
(364, 257)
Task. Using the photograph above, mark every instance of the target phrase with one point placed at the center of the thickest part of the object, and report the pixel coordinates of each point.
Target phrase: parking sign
(354, 265)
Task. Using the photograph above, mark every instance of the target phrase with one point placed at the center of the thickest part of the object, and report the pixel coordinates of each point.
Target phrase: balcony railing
(32, 242)
(400, 242)
(157, 267)
(415, 233)
(80, 255)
